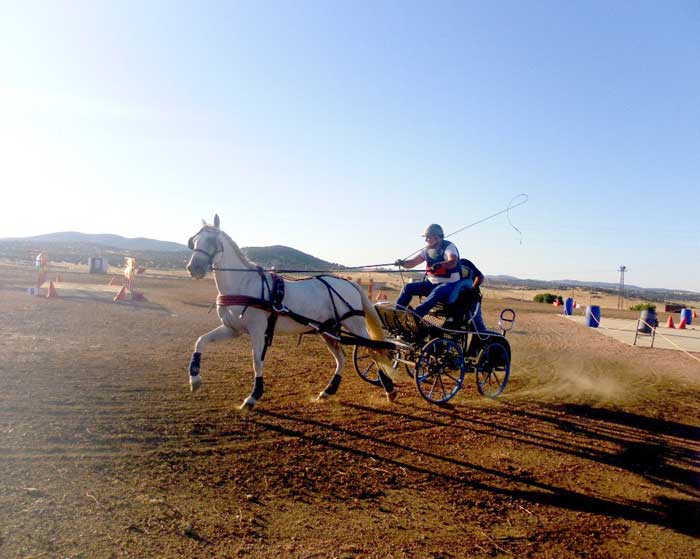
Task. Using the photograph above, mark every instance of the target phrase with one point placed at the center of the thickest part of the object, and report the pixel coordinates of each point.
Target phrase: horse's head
(205, 246)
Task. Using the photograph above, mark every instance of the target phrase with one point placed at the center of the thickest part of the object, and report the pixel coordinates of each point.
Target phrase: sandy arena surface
(592, 451)
(623, 330)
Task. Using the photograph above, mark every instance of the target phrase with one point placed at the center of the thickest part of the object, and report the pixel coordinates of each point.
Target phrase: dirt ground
(592, 451)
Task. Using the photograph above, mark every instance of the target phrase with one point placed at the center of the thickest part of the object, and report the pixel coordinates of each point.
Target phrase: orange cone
(695, 314)
(111, 281)
(669, 323)
(121, 296)
(682, 324)
(52, 291)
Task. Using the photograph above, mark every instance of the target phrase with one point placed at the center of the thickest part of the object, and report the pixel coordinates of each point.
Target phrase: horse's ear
(216, 220)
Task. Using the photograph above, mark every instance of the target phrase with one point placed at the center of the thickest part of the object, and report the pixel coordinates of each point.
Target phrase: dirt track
(593, 450)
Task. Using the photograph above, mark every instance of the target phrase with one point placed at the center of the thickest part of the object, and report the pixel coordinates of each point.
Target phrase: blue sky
(343, 128)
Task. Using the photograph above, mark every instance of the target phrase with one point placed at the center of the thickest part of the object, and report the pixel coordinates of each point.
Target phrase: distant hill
(282, 257)
(76, 248)
(103, 240)
(651, 294)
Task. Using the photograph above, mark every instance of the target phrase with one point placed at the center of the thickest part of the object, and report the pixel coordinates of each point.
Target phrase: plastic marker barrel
(647, 321)
(593, 316)
(688, 315)
(569, 306)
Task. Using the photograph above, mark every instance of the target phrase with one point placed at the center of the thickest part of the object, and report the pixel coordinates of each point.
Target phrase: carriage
(440, 350)
(437, 351)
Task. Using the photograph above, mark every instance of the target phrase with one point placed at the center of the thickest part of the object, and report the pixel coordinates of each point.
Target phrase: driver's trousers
(434, 293)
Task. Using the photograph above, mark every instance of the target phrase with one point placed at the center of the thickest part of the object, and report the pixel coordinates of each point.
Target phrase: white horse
(246, 301)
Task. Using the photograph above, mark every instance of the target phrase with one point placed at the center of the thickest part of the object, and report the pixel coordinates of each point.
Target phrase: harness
(333, 327)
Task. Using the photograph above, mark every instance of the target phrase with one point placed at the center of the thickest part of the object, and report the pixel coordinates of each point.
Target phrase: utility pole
(621, 292)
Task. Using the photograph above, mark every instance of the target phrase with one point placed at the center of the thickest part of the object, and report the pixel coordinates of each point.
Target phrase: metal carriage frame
(439, 354)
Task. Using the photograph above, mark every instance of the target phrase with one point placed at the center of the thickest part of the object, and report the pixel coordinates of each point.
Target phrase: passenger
(477, 279)
(442, 268)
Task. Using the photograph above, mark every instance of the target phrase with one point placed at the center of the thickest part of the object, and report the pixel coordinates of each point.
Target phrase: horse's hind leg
(337, 351)
(220, 333)
(258, 339)
(357, 326)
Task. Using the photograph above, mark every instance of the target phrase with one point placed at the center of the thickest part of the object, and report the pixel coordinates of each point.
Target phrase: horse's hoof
(391, 396)
(322, 396)
(195, 383)
(248, 404)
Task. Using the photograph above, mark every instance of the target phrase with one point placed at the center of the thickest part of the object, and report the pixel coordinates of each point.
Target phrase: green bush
(548, 298)
(644, 307)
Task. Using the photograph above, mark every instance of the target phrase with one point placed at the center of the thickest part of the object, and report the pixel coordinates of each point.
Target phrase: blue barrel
(569, 306)
(688, 315)
(593, 316)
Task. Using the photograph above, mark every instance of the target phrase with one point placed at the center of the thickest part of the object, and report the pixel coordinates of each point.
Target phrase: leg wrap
(194, 363)
(258, 389)
(333, 385)
(387, 383)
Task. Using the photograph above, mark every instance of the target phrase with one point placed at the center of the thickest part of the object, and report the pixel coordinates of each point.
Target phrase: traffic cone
(111, 281)
(52, 291)
(682, 324)
(121, 296)
(669, 322)
(695, 314)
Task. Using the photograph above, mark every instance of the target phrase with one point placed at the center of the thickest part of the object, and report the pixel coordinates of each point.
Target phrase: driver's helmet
(433, 229)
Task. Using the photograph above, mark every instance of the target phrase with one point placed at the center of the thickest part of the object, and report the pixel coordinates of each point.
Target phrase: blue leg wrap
(387, 383)
(258, 389)
(194, 363)
(333, 385)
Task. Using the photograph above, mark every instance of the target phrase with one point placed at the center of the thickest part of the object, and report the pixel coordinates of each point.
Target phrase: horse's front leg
(257, 337)
(337, 351)
(222, 332)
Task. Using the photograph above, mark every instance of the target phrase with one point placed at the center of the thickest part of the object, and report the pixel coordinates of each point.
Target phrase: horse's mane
(247, 263)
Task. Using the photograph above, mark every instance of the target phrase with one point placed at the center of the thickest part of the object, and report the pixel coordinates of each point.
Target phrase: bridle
(210, 255)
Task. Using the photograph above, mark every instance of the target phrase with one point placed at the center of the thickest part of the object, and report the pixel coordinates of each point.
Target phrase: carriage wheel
(492, 369)
(365, 365)
(440, 370)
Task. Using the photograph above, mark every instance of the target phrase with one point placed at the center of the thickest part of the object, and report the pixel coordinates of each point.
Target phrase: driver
(442, 269)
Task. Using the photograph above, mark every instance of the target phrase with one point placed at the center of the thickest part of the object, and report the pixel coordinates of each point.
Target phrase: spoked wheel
(492, 369)
(440, 370)
(365, 365)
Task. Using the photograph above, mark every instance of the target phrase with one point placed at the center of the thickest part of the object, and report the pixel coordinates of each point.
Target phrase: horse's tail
(374, 329)
(372, 321)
